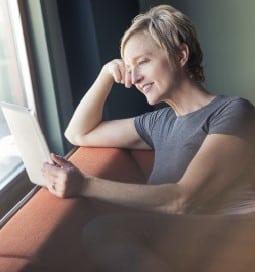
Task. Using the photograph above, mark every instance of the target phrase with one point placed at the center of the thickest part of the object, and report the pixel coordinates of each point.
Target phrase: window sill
(13, 192)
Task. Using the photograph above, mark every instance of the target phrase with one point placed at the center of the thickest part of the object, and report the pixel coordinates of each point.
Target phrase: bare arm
(86, 127)
(216, 166)
(89, 112)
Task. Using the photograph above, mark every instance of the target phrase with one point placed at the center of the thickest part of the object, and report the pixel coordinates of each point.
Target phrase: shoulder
(234, 108)
(237, 103)
(157, 116)
(233, 115)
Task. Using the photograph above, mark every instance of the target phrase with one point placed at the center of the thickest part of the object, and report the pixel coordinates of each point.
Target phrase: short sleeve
(236, 117)
(152, 127)
(144, 127)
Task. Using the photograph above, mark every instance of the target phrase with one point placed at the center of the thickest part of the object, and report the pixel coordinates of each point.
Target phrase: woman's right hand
(116, 68)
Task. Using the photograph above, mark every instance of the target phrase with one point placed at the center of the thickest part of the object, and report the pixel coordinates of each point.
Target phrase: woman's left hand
(63, 178)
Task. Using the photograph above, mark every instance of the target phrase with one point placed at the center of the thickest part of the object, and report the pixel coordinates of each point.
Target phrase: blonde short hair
(169, 28)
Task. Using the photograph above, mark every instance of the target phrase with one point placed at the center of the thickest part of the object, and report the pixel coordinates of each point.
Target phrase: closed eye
(143, 62)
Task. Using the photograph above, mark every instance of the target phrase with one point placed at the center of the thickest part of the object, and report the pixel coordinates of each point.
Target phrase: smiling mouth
(146, 87)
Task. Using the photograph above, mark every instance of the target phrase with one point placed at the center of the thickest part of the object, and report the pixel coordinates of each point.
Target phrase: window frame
(51, 89)
(50, 77)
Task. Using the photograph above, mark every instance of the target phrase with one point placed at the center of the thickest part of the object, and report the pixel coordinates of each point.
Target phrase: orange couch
(45, 235)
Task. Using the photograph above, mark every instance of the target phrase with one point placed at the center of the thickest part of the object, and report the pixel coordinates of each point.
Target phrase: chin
(152, 102)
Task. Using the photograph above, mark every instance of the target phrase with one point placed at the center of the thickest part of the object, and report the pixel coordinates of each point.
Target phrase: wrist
(85, 184)
(105, 74)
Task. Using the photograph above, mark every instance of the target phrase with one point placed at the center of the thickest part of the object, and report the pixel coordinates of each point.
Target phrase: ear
(184, 54)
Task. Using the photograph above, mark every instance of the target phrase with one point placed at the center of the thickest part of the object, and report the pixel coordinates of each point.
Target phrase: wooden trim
(14, 191)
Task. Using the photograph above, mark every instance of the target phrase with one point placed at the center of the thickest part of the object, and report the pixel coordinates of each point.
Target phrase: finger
(122, 72)
(128, 80)
(51, 186)
(117, 75)
(118, 71)
(60, 161)
(50, 172)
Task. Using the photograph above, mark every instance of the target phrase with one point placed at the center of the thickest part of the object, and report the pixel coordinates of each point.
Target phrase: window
(41, 35)
(15, 84)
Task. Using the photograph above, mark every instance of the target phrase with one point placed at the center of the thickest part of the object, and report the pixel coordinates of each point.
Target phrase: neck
(188, 98)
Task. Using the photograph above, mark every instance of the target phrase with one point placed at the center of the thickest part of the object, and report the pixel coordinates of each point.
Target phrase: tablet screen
(29, 139)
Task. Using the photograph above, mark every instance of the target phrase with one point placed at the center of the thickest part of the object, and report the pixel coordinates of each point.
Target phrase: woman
(203, 143)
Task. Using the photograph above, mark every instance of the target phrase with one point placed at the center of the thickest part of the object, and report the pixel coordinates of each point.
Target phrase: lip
(146, 87)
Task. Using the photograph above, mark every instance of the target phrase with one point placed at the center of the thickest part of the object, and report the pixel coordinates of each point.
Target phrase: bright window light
(15, 84)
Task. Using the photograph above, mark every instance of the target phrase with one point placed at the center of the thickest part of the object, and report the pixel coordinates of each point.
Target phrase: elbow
(182, 200)
(181, 206)
(176, 205)
(78, 139)
(72, 138)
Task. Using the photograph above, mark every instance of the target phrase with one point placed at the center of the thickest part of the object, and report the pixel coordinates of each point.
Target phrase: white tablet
(29, 139)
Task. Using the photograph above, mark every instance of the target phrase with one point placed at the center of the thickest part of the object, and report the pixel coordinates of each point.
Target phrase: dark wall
(92, 31)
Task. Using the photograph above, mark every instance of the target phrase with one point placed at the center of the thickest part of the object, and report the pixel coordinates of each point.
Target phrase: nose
(135, 76)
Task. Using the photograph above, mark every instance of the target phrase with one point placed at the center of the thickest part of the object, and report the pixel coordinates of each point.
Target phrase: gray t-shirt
(176, 140)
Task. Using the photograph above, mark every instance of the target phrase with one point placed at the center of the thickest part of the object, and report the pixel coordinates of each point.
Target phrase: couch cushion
(144, 159)
(46, 233)
(39, 231)
(112, 163)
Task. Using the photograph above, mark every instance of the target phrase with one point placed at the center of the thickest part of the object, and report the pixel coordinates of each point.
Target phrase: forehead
(139, 45)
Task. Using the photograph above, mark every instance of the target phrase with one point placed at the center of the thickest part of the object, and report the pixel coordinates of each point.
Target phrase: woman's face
(150, 70)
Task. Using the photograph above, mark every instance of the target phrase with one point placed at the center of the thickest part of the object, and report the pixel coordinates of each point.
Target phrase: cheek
(164, 68)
